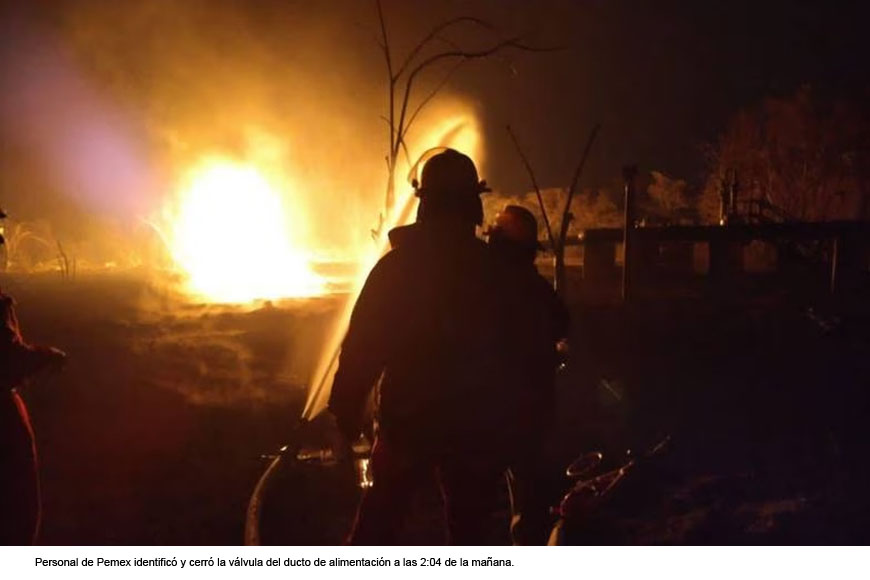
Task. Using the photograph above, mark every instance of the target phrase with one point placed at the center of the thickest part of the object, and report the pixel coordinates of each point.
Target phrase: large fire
(231, 235)
(238, 229)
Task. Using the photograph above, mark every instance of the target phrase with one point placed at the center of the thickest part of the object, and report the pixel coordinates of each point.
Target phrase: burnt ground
(153, 433)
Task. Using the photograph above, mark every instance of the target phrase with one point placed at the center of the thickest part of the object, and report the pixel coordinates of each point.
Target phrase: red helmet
(517, 225)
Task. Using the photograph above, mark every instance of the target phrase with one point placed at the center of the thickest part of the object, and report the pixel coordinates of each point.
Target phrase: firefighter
(20, 511)
(425, 323)
(4, 253)
(538, 325)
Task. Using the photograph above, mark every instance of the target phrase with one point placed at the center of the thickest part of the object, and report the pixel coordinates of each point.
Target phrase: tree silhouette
(805, 156)
(404, 73)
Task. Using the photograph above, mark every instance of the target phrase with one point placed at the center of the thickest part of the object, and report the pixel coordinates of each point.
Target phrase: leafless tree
(404, 73)
(557, 244)
(802, 155)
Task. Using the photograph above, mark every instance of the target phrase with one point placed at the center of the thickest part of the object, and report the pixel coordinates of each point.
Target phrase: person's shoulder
(403, 235)
(388, 261)
(394, 262)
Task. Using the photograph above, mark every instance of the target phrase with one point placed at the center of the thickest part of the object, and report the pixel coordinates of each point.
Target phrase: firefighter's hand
(55, 358)
(40, 360)
(340, 439)
(342, 449)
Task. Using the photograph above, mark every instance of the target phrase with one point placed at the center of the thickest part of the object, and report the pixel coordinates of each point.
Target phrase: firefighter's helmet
(450, 185)
(517, 225)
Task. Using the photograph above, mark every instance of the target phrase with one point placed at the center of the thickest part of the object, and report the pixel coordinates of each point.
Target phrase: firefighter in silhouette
(19, 490)
(426, 324)
(4, 255)
(537, 326)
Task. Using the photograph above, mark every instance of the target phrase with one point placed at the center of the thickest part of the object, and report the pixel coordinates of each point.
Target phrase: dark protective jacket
(534, 320)
(428, 319)
(538, 320)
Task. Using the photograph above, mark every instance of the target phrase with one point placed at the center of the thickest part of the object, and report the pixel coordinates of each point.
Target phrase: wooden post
(559, 279)
(732, 198)
(599, 261)
(629, 172)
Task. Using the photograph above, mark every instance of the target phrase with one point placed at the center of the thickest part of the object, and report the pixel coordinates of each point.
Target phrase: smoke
(116, 101)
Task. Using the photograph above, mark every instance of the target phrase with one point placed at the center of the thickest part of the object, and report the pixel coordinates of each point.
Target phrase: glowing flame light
(231, 236)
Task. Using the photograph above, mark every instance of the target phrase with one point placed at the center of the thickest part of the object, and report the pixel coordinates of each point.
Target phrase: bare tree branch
(386, 43)
(448, 42)
(514, 42)
(435, 91)
(434, 35)
(537, 189)
(579, 169)
(412, 65)
(431, 96)
(401, 143)
(404, 148)
(566, 214)
(389, 60)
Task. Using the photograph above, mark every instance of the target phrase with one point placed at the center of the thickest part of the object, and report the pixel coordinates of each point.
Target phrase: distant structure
(640, 260)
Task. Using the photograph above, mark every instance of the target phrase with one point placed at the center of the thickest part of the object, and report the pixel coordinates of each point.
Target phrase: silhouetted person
(538, 321)
(19, 490)
(426, 322)
(3, 250)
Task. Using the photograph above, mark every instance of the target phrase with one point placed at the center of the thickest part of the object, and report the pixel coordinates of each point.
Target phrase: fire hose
(315, 402)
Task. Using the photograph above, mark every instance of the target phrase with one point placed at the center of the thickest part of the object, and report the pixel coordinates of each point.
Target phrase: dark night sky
(661, 77)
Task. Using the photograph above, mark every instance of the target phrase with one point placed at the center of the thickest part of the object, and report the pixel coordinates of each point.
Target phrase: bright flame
(231, 236)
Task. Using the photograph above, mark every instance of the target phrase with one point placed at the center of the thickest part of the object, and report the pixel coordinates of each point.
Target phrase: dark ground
(764, 389)
(153, 433)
